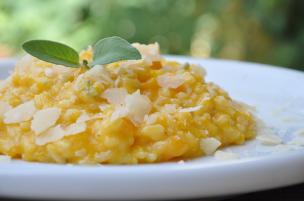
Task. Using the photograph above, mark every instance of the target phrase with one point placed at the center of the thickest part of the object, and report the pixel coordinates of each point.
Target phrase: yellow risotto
(128, 112)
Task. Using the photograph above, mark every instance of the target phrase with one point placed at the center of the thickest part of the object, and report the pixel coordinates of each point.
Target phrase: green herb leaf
(112, 49)
(53, 52)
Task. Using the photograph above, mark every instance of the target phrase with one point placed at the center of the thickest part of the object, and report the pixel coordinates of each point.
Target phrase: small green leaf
(112, 49)
(53, 52)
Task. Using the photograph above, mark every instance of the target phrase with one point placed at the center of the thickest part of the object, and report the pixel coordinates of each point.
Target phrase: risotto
(127, 112)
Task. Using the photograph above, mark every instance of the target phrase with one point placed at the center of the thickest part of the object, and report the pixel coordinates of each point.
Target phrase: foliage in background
(254, 30)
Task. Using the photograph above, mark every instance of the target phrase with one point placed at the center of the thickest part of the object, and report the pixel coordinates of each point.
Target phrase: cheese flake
(170, 80)
(210, 145)
(44, 119)
(115, 96)
(51, 135)
(23, 112)
(4, 107)
(269, 139)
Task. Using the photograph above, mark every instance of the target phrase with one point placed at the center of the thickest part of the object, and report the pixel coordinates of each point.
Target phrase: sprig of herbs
(105, 51)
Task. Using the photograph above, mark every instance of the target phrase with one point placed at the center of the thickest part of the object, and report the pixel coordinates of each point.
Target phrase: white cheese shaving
(223, 155)
(44, 119)
(56, 133)
(210, 145)
(269, 139)
(198, 70)
(103, 156)
(80, 153)
(95, 74)
(103, 107)
(75, 128)
(62, 70)
(83, 118)
(149, 52)
(151, 119)
(170, 80)
(115, 96)
(133, 106)
(4, 107)
(169, 108)
(23, 112)
(181, 162)
(138, 106)
(98, 73)
(285, 147)
(51, 135)
(298, 141)
(191, 109)
(80, 82)
(97, 116)
(119, 112)
(129, 64)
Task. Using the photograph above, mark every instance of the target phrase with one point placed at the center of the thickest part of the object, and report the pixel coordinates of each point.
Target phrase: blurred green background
(264, 31)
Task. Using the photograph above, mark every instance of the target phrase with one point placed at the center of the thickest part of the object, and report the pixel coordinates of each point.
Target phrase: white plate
(278, 95)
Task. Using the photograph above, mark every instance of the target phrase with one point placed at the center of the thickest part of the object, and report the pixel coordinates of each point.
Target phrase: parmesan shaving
(44, 119)
(56, 133)
(170, 80)
(115, 96)
(103, 156)
(210, 145)
(4, 107)
(83, 118)
(198, 70)
(75, 128)
(298, 141)
(23, 112)
(151, 119)
(135, 106)
(191, 109)
(51, 135)
(169, 108)
(119, 112)
(269, 139)
(98, 73)
(149, 52)
(138, 106)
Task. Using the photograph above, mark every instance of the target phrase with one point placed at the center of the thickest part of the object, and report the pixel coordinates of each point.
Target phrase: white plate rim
(245, 181)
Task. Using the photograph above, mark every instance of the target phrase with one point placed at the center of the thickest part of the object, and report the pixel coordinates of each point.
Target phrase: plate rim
(184, 169)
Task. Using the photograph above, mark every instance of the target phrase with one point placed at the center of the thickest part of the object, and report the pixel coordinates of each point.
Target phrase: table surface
(291, 193)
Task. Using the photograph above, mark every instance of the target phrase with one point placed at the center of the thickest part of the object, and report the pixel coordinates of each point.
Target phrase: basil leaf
(53, 52)
(112, 49)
